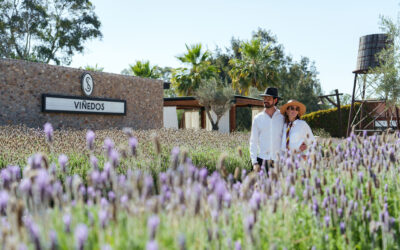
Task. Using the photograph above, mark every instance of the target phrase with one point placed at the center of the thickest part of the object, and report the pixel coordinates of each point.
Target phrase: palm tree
(142, 69)
(256, 67)
(186, 80)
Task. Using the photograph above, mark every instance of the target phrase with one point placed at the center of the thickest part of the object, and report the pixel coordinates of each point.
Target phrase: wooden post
(203, 118)
(352, 106)
(232, 119)
(340, 113)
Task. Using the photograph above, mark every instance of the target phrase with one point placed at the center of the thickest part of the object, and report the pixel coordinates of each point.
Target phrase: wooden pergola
(190, 102)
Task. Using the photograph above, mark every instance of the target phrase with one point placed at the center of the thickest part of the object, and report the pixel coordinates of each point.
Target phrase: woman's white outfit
(299, 132)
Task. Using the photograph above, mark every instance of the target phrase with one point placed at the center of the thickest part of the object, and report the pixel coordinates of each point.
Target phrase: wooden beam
(178, 103)
(248, 102)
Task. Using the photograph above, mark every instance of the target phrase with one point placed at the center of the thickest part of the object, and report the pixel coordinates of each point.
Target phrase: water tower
(372, 114)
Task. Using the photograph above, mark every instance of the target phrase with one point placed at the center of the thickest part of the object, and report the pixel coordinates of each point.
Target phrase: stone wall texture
(22, 84)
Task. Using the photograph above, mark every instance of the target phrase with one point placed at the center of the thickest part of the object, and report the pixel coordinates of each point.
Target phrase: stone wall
(22, 84)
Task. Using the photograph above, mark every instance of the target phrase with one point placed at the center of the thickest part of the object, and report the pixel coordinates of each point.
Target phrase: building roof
(187, 102)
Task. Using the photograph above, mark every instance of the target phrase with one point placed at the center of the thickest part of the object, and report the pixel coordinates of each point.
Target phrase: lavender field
(167, 189)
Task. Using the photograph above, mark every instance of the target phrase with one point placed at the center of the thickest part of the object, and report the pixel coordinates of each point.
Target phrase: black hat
(271, 92)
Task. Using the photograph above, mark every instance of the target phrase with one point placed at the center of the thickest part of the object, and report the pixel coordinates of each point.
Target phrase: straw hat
(294, 103)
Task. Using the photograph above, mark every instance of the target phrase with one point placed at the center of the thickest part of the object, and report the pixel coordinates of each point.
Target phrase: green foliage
(263, 61)
(386, 77)
(93, 68)
(143, 69)
(243, 118)
(321, 133)
(46, 31)
(214, 98)
(256, 66)
(328, 120)
(187, 80)
(299, 81)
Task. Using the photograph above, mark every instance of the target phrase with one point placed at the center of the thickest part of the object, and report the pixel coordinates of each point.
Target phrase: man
(266, 132)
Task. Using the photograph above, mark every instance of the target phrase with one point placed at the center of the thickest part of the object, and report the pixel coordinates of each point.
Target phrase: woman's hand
(303, 147)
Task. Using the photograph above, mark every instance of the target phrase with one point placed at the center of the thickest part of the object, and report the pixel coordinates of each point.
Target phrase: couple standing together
(275, 131)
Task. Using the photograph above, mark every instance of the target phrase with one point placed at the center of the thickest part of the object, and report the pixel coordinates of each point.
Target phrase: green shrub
(329, 120)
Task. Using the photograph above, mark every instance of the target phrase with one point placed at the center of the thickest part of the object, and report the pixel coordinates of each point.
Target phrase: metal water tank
(370, 46)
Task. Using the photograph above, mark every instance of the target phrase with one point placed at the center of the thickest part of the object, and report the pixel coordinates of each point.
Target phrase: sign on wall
(86, 105)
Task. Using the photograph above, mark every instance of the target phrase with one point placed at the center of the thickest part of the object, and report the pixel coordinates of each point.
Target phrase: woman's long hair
(287, 118)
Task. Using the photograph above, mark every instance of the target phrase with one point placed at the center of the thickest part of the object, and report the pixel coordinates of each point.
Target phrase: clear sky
(327, 32)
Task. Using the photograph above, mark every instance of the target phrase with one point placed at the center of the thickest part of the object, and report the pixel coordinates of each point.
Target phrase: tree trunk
(214, 125)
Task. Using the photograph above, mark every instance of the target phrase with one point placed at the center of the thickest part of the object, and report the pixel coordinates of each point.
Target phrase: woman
(297, 135)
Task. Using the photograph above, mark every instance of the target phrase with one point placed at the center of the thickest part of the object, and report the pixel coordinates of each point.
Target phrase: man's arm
(254, 140)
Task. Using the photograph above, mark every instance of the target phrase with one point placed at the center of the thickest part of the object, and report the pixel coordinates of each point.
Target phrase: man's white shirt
(266, 136)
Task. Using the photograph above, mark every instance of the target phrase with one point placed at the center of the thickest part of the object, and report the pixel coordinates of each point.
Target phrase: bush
(328, 120)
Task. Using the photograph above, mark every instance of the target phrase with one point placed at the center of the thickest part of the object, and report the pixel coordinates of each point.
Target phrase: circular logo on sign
(87, 84)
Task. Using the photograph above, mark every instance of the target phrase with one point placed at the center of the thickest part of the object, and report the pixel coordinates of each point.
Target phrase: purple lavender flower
(249, 223)
(124, 200)
(90, 136)
(81, 235)
(26, 186)
(327, 219)
(315, 206)
(342, 227)
(148, 183)
(103, 218)
(361, 177)
(163, 178)
(42, 182)
(114, 156)
(203, 176)
(103, 202)
(175, 152)
(22, 246)
(3, 201)
(67, 222)
(53, 240)
(94, 162)
(292, 191)
(106, 247)
(340, 212)
(220, 191)
(48, 130)
(15, 172)
(5, 177)
(111, 196)
(151, 245)
(256, 199)
(37, 161)
(152, 224)
(95, 178)
(108, 145)
(238, 245)
(34, 232)
(133, 142)
(63, 160)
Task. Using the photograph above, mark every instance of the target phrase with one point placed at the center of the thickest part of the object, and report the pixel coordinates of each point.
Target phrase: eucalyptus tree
(256, 67)
(386, 77)
(46, 30)
(186, 80)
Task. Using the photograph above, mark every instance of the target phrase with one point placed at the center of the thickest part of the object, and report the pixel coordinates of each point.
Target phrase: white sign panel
(72, 104)
(87, 84)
